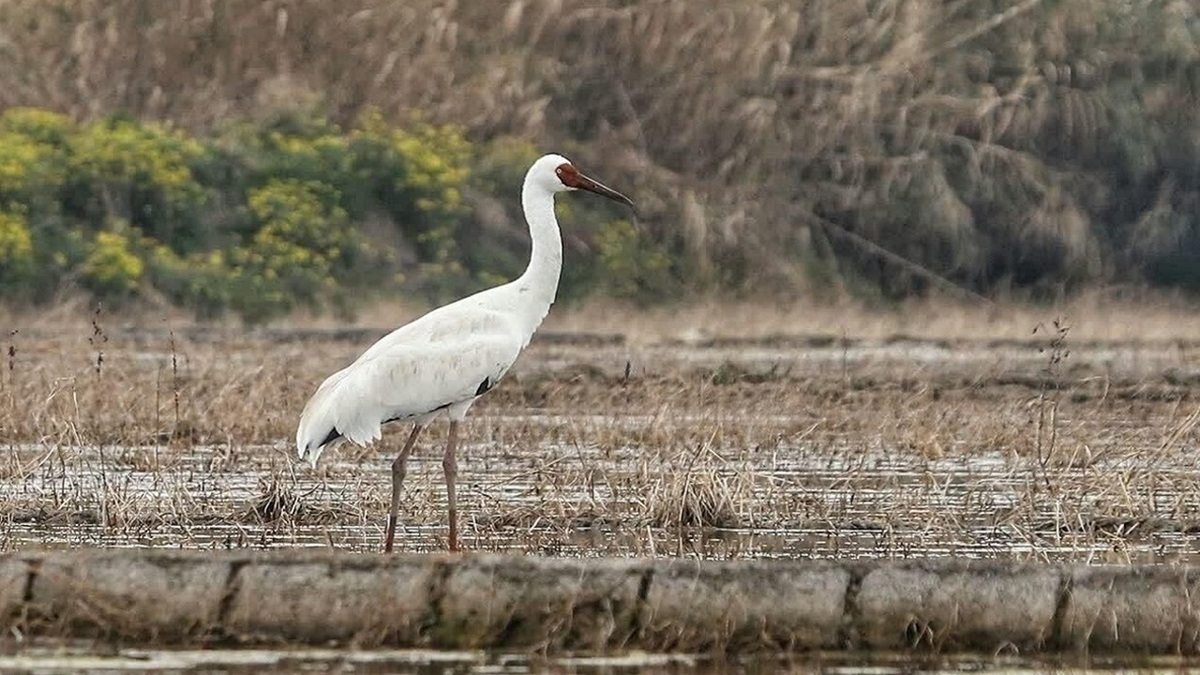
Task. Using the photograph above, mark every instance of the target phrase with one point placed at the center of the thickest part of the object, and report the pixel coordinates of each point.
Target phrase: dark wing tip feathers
(484, 386)
(332, 436)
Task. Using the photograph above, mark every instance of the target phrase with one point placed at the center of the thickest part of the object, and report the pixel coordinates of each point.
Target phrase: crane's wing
(401, 382)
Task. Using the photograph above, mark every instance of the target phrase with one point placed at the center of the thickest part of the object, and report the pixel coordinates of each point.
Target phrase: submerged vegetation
(315, 151)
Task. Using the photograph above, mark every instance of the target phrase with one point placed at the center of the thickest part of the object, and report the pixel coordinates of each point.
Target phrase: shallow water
(809, 500)
(886, 467)
(76, 657)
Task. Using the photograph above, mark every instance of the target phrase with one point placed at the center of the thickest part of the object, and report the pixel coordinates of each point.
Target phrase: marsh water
(799, 505)
(61, 658)
(900, 449)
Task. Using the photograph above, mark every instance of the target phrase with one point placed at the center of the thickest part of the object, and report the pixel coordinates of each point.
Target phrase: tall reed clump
(772, 144)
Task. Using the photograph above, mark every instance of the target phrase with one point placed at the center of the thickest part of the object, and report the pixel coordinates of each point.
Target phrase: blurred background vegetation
(256, 156)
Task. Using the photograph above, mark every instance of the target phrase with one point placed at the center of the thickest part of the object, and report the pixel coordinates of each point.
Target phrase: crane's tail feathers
(311, 441)
(310, 449)
(311, 454)
(321, 426)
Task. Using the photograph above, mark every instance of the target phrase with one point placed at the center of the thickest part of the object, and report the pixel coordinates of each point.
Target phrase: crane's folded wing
(401, 383)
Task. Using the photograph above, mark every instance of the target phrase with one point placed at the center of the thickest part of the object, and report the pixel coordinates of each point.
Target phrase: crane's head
(557, 174)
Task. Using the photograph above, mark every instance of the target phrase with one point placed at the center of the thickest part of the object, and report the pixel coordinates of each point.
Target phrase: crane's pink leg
(397, 479)
(450, 466)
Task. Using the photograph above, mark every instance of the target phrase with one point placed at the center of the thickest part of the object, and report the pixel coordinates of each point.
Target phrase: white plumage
(444, 360)
(416, 371)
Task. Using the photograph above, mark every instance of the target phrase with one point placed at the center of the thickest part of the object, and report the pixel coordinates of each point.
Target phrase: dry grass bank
(1097, 316)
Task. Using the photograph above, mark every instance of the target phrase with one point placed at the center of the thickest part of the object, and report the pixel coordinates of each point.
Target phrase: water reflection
(97, 658)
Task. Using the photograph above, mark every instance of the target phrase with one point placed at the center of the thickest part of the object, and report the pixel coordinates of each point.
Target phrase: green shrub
(628, 266)
(138, 172)
(29, 169)
(291, 213)
(496, 181)
(418, 177)
(33, 159)
(426, 165)
(111, 268)
(16, 249)
(303, 241)
(42, 126)
(199, 281)
(297, 146)
(435, 165)
(303, 253)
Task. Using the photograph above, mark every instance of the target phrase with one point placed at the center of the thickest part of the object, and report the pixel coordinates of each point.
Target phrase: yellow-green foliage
(269, 216)
(111, 266)
(428, 167)
(26, 164)
(299, 253)
(43, 126)
(312, 150)
(150, 157)
(16, 246)
(301, 234)
(207, 281)
(629, 265)
(436, 164)
(434, 161)
(32, 159)
(323, 155)
(502, 163)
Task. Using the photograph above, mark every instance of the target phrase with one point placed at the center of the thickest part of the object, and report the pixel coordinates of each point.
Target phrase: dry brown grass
(171, 434)
(975, 138)
(1108, 316)
(1105, 315)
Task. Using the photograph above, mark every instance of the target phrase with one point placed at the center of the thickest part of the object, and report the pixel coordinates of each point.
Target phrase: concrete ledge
(318, 600)
(744, 605)
(515, 602)
(1148, 609)
(946, 604)
(134, 597)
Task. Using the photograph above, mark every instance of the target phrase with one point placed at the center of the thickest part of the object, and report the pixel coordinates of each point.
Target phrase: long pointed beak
(585, 183)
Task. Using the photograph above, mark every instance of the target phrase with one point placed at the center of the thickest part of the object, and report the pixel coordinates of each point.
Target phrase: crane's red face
(570, 177)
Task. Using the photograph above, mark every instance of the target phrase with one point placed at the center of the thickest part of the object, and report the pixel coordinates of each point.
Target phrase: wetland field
(713, 432)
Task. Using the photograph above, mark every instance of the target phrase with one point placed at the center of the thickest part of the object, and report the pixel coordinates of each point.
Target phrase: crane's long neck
(538, 285)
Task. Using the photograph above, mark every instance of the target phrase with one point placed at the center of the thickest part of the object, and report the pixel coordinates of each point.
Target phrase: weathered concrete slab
(538, 602)
(517, 602)
(361, 599)
(1121, 609)
(140, 595)
(730, 606)
(14, 577)
(945, 605)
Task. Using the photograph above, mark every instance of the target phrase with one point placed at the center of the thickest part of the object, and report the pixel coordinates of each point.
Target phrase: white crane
(444, 360)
